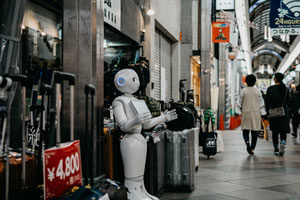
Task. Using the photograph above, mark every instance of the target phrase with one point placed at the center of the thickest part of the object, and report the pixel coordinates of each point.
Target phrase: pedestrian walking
(252, 107)
(294, 105)
(277, 99)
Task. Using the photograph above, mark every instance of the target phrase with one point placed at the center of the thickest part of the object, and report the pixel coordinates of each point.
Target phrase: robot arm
(123, 122)
(153, 122)
(165, 117)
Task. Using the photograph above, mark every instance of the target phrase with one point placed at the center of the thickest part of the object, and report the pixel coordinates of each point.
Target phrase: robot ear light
(121, 81)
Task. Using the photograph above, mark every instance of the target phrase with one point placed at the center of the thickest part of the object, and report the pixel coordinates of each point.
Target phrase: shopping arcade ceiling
(265, 53)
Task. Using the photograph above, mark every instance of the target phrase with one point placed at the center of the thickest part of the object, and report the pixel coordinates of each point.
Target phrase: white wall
(168, 14)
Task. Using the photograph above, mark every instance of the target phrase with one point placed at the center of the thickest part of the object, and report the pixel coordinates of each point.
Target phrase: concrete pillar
(149, 44)
(176, 69)
(83, 55)
(186, 43)
(205, 47)
(228, 94)
(222, 78)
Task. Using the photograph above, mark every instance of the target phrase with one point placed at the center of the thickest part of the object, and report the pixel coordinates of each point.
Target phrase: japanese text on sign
(62, 169)
(112, 13)
(285, 31)
(285, 17)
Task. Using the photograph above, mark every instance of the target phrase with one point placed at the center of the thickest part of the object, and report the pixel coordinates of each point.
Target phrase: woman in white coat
(252, 107)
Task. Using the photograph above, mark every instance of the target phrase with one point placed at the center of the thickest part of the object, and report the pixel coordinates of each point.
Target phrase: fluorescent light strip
(241, 15)
(290, 58)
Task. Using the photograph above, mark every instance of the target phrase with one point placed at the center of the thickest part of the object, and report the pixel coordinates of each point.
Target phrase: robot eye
(121, 81)
(134, 79)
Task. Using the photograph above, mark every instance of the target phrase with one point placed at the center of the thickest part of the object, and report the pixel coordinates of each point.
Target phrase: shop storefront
(195, 82)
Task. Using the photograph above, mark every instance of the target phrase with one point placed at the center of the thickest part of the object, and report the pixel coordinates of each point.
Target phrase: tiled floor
(235, 175)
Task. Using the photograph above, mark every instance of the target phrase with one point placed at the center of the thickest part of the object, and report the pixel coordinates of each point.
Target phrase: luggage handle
(64, 76)
(5, 86)
(45, 89)
(59, 77)
(23, 80)
(89, 90)
(20, 78)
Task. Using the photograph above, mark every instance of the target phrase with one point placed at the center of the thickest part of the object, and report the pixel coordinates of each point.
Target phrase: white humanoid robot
(131, 116)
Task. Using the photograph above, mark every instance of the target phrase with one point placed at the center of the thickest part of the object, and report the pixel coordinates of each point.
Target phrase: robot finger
(147, 116)
(139, 118)
(171, 112)
(174, 116)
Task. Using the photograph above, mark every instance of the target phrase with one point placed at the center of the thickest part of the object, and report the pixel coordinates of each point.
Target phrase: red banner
(220, 32)
(62, 169)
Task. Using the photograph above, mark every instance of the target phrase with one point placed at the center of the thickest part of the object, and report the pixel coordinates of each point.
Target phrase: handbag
(260, 133)
(279, 111)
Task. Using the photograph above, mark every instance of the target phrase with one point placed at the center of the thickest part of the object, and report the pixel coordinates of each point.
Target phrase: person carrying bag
(252, 107)
(276, 103)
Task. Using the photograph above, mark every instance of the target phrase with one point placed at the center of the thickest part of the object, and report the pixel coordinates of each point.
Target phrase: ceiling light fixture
(150, 12)
(290, 58)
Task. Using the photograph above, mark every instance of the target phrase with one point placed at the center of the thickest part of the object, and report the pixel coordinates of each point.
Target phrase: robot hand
(170, 115)
(142, 118)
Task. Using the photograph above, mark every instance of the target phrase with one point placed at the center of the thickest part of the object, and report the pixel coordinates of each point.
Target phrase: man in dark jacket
(294, 105)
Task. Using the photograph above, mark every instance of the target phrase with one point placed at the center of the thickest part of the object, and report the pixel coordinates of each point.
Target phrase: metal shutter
(162, 59)
(166, 63)
(156, 71)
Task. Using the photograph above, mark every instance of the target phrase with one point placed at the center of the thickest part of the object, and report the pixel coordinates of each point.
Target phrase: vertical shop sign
(220, 32)
(112, 13)
(285, 17)
(225, 4)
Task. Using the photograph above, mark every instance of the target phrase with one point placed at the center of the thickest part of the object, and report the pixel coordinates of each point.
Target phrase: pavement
(236, 175)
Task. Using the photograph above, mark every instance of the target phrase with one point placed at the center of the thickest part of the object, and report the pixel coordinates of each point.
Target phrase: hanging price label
(62, 169)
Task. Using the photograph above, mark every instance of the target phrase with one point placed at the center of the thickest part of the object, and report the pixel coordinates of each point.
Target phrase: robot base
(137, 190)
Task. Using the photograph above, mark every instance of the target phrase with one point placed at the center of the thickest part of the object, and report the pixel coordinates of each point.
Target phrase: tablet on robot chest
(139, 106)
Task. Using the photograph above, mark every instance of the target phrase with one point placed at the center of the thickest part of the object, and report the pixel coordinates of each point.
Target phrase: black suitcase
(155, 163)
(210, 142)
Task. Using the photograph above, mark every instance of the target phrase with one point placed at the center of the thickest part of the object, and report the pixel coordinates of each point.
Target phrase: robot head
(127, 81)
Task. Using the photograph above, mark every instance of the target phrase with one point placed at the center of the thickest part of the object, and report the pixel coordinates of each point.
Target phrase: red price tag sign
(62, 169)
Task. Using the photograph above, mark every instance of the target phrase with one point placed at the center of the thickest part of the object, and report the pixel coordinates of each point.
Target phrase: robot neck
(129, 95)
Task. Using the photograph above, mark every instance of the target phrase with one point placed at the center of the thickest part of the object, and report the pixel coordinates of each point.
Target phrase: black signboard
(285, 17)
